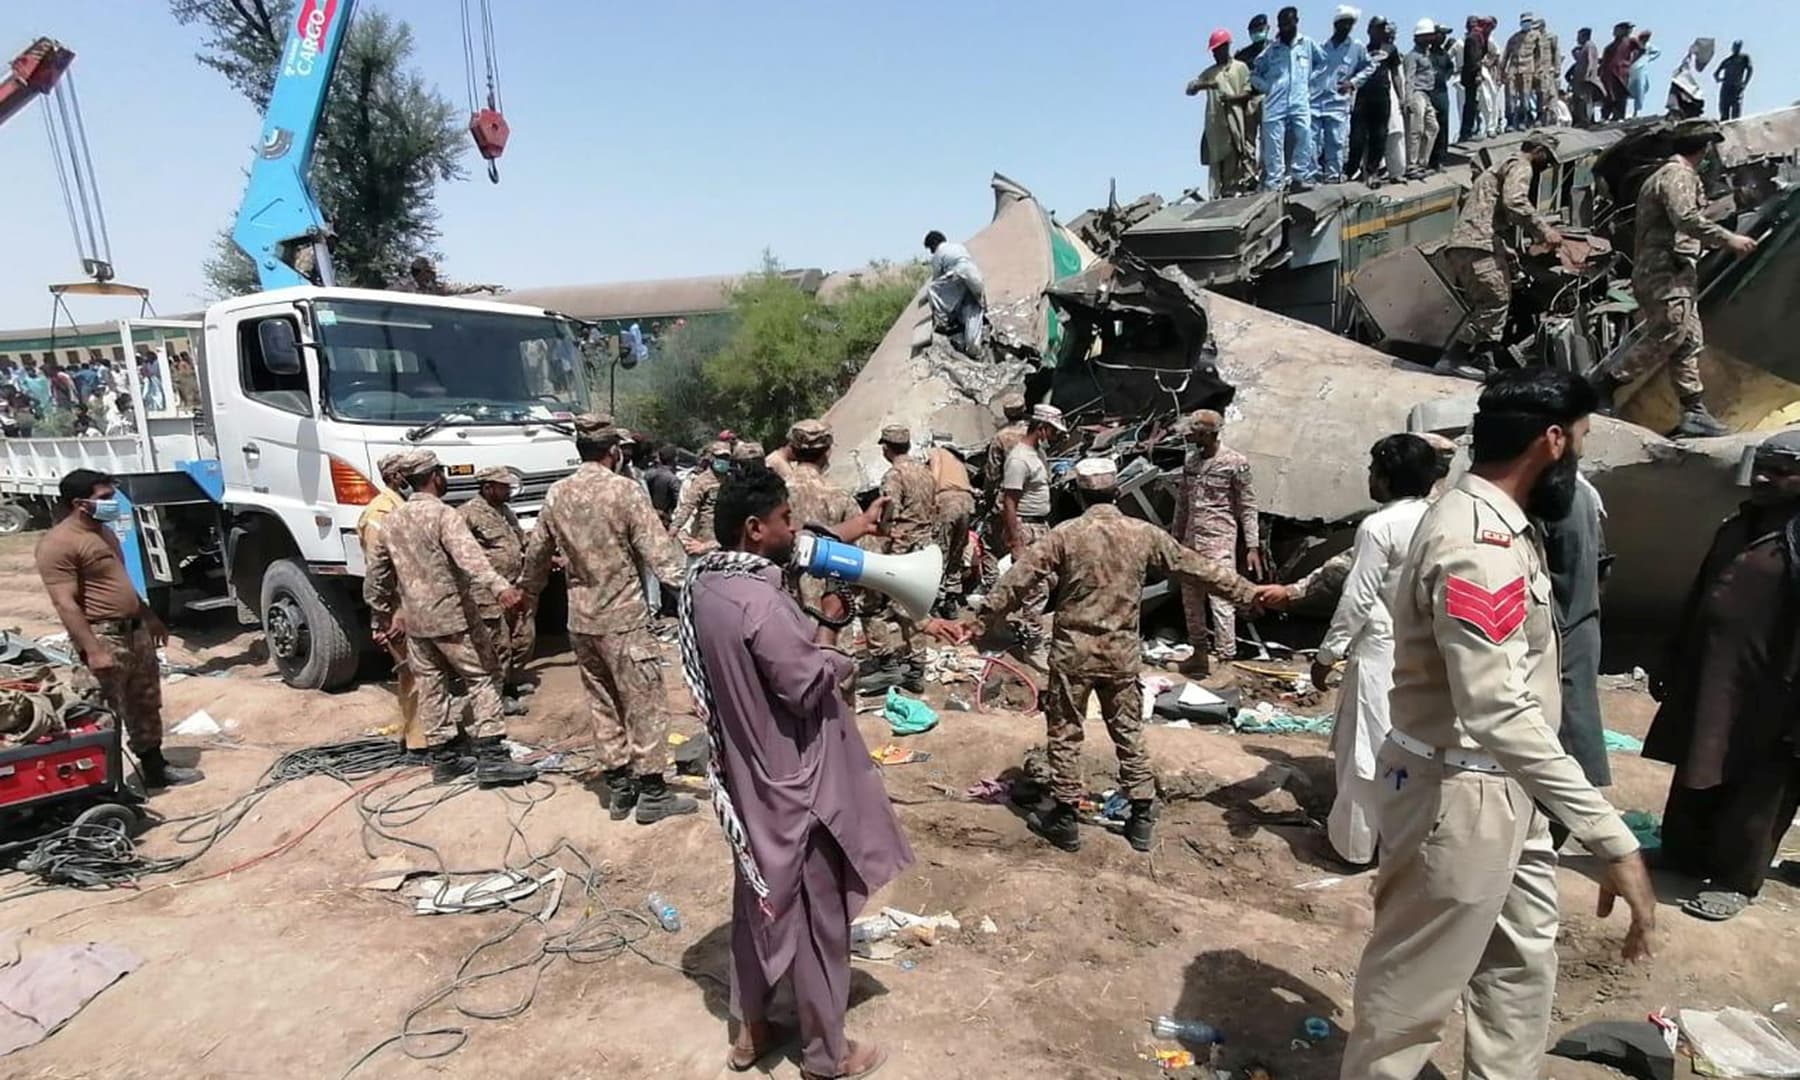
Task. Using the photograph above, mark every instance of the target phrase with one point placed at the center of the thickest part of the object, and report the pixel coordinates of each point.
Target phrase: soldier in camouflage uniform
(1548, 75)
(368, 533)
(1214, 512)
(694, 510)
(814, 500)
(993, 530)
(497, 530)
(1671, 232)
(911, 525)
(421, 583)
(1479, 256)
(1519, 63)
(1098, 562)
(607, 533)
(955, 513)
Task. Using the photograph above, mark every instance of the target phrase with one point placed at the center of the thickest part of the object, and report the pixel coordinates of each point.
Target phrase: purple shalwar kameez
(812, 804)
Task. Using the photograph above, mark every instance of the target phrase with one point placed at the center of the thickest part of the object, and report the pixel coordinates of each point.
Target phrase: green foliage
(780, 355)
(386, 140)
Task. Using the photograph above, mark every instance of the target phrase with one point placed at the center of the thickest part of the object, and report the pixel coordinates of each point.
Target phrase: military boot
(494, 766)
(656, 801)
(621, 793)
(452, 759)
(1139, 825)
(1056, 825)
(158, 773)
(1697, 423)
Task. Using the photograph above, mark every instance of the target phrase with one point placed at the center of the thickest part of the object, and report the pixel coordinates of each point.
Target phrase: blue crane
(279, 216)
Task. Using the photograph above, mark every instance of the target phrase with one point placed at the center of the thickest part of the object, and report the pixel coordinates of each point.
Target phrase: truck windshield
(407, 363)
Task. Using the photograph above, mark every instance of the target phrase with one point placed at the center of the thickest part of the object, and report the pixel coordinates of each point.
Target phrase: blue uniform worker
(1334, 85)
(1283, 75)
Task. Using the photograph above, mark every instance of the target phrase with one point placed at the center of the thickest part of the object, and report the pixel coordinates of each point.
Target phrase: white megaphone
(912, 581)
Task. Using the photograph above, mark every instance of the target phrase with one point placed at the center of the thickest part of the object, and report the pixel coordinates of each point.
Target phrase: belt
(1471, 760)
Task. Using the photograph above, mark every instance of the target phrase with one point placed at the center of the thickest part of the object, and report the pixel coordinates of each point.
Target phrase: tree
(386, 140)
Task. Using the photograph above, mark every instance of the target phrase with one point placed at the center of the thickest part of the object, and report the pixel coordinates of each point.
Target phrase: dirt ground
(286, 967)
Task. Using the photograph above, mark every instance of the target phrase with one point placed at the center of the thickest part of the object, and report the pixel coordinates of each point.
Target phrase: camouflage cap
(896, 435)
(1012, 404)
(1096, 473)
(1698, 128)
(497, 474)
(1542, 138)
(747, 450)
(389, 465)
(810, 435)
(1049, 414)
(415, 462)
(716, 449)
(594, 424)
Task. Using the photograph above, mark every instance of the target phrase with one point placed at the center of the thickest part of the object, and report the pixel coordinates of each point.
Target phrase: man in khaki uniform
(1479, 254)
(993, 535)
(692, 524)
(1097, 563)
(910, 525)
(422, 585)
(815, 500)
(368, 534)
(955, 512)
(1215, 513)
(607, 533)
(1025, 515)
(1465, 903)
(1672, 230)
(497, 530)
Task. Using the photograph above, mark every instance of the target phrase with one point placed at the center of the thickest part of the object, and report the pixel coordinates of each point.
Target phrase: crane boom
(34, 73)
(279, 215)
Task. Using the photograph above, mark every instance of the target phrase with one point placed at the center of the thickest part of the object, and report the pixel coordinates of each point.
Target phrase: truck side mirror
(280, 348)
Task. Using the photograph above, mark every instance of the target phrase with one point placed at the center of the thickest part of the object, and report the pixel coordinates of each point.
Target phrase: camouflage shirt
(1098, 561)
(1499, 202)
(913, 511)
(1672, 230)
(605, 529)
(814, 500)
(427, 561)
(1217, 500)
(695, 507)
(1004, 440)
(497, 530)
(1520, 58)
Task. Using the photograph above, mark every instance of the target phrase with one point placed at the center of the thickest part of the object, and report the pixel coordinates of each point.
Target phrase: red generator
(76, 777)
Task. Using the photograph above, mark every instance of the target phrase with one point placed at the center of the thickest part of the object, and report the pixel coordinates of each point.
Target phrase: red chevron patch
(1497, 614)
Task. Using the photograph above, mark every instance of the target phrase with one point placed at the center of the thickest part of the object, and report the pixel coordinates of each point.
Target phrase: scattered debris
(892, 754)
(905, 715)
(1320, 883)
(1316, 1028)
(1189, 1032)
(885, 935)
(988, 926)
(1158, 651)
(1265, 719)
(198, 724)
(435, 896)
(1635, 1048)
(992, 790)
(1738, 1042)
(1647, 827)
(1172, 1059)
(1618, 740)
(663, 912)
(42, 989)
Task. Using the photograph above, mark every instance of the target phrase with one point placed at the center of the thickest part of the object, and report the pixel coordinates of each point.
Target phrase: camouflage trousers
(955, 510)
(1121, 707)
(514, 635)
(1672, 335)
(132, 688)
(1486, 285)
(626, 700)
(1026, 623)
(458, 679)
(1197, 602)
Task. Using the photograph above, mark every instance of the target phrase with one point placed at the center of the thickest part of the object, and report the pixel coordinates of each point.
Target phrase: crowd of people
(88, 397)
(1287, 112)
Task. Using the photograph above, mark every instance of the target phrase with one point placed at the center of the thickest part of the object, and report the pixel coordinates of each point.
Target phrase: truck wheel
(120, 819)
(13, 519)
(310, 627)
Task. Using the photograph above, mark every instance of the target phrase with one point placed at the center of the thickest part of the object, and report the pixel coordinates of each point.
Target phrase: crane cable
(74, 161)
(490, 69)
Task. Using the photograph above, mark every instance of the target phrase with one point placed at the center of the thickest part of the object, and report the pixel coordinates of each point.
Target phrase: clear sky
(684, 137)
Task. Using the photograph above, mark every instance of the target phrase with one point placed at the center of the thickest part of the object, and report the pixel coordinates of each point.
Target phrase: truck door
(262, 387)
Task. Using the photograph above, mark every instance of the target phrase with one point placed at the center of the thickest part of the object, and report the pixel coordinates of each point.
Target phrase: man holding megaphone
(1098, 562)
(801, 805)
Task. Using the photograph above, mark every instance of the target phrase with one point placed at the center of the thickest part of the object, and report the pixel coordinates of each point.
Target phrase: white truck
(251, 498)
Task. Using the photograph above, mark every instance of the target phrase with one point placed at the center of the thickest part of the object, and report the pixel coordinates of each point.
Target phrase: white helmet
(1425, 28)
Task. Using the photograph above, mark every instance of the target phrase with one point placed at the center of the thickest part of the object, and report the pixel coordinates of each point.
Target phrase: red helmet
(1219, 37)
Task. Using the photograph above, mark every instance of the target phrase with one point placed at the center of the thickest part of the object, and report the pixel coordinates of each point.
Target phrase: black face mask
(1553, 496)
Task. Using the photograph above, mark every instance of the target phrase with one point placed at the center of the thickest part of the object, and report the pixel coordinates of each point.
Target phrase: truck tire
(310, 626)
(14, 519)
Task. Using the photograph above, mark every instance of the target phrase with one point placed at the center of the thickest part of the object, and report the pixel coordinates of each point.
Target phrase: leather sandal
(861, 1060)
(755, 1042)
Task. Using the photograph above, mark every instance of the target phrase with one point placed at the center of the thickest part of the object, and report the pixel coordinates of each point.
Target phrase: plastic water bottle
(1191, 1032)
(665, 912)
(868, 931)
